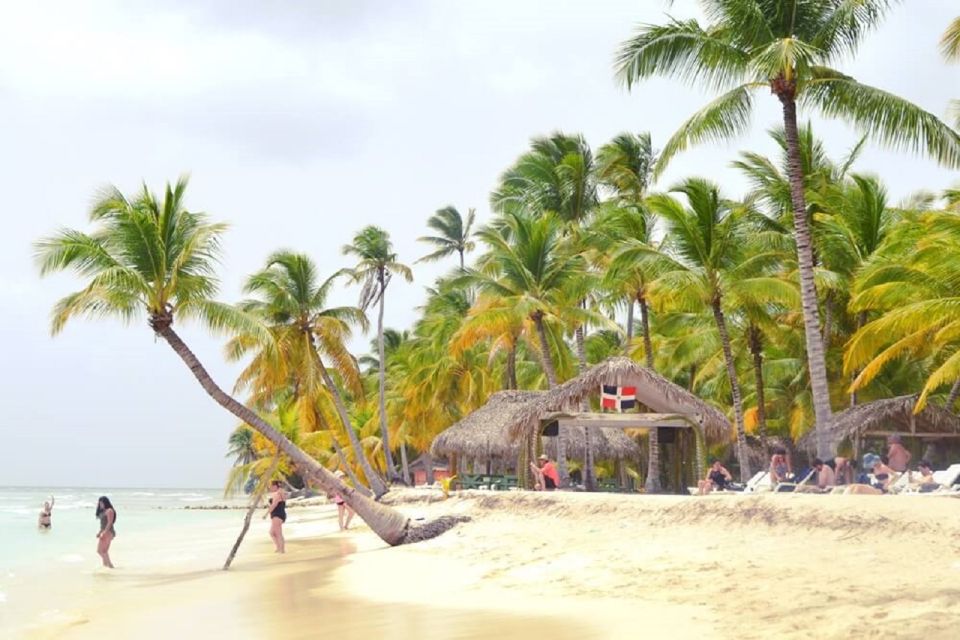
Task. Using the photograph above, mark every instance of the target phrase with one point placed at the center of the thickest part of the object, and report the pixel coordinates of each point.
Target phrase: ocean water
(72, 539)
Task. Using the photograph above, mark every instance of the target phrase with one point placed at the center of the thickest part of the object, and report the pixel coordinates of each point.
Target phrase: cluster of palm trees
(777, 318)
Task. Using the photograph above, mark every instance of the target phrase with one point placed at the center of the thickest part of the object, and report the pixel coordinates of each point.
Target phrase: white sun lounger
(760, 482)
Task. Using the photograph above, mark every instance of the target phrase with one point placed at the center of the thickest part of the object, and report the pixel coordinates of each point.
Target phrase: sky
(300, 122)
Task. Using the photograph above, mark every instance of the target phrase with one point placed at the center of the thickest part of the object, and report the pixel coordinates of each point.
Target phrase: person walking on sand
(108, 516)
(277, 510)
(344, 512)
(43, 522)
(547, 478)
(716, 480)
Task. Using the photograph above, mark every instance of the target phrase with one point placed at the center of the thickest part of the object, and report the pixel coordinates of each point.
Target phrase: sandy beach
(558, 565)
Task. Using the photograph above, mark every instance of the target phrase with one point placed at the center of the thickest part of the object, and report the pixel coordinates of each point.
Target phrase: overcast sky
(299, 123)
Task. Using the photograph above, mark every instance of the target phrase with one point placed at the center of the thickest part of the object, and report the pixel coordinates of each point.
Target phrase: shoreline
(563, 564)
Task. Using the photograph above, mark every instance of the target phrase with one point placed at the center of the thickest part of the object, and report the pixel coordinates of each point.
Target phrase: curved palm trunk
(376, 483)
(742, 451)
(626, 347)
(816, 361)
(551, 373)
(384, 432)
(756, 350)
(952, 396)
(254, 503)
(389, 524)
(652, 485)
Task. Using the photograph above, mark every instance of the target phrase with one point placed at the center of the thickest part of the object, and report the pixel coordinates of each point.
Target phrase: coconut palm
(376, 266)
(290, 299)
(786, 48)
(240, 446)
(151, 256)
(706, 243)
(453, 234)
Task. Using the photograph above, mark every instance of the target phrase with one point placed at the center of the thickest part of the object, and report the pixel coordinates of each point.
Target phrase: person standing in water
(277, 510)
(43, 522)
(108, 516)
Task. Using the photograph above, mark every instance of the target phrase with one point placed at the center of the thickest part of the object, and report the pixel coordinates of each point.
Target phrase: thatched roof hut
(888, 416)
(653, 390)
(485, 433)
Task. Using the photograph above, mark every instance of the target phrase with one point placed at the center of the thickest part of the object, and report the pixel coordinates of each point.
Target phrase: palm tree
(453, 234)
(377, 264)
(531, 270)
(787, 48)
(707, 242)
(240, 445)
(292, 301)
(152, 256)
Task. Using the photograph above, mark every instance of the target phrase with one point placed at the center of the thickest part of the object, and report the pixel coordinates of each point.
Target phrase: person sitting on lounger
(780, 470)
(826, 478)
(897, 455)
(882, 474)
(546, 475)
(716, 480)
(924, 477)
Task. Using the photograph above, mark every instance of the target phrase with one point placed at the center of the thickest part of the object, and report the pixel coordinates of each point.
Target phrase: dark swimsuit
(279, 510)
(103, 525)
(718, 479)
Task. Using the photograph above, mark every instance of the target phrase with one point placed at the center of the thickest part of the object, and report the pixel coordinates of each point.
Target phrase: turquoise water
(71, 540)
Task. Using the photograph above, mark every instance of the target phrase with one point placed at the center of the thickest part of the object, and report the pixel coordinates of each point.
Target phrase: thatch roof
(485, 433)
(890, 414)
(653, 390)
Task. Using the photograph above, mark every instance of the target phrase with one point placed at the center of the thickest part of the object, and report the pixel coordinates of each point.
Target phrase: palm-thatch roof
(890, 414)
(485, 433)
(653, 390)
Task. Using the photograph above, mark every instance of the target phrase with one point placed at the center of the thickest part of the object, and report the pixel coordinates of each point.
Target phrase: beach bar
(513, 425)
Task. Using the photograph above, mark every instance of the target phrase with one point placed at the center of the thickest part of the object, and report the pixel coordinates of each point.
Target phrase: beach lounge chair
(759, 483)
(948, 477)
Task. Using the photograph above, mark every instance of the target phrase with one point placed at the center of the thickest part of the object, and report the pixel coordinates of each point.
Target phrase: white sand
(562, 566)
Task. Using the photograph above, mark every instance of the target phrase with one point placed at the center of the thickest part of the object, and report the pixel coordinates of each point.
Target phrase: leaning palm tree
(153, 257)
(786, 48)
(290, 298)
(377, 264)
(453, 234)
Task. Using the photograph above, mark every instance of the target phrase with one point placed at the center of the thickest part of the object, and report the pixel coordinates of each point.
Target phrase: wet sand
(559, 566)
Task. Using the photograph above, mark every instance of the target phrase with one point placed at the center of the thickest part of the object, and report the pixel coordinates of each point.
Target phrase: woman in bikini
(344, 512)
(277, 510)
(43, 522)
(108, 516)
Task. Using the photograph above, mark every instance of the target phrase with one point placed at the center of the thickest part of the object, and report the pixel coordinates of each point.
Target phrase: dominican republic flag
(618, 398)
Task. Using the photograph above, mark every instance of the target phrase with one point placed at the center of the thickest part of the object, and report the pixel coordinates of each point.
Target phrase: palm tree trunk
(816, 361)
(742, 451)
(861, 320)
(384, 432)
(626, 347)
(511, 373)
(404, 466)
(756, 350)
(551, 374)
(373, 478)
(652, 485)
(389, 524)
(254, 503)
(428, 467)
(460, 251)
(346, 465)
(952, 396)
(589, 481)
